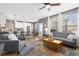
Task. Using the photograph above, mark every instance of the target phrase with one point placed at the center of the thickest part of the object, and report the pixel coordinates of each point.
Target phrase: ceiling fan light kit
(48, 5)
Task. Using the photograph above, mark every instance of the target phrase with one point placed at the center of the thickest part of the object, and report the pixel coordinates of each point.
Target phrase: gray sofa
(10, 45)
(14, 45)
(63, 37)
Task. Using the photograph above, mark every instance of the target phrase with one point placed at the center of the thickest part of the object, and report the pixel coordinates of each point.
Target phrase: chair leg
(18, 53)
(3, 54)
(75, 48)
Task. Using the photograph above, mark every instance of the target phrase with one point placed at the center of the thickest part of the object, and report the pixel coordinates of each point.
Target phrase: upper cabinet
(2, 19)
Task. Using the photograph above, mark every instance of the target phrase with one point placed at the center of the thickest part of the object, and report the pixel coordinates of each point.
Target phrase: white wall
(2, 19)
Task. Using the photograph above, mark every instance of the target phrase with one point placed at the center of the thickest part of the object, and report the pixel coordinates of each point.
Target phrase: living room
(26, 28)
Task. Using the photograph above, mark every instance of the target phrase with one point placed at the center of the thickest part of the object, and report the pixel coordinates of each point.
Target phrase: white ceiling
(27, 10)
(30, 10)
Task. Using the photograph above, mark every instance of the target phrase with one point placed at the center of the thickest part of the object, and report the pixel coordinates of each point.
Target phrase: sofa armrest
(21, 38)
(75, 41)
(10, 45)
(22, 44)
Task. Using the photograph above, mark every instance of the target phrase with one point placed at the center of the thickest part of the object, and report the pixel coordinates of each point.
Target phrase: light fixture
(46, 29)
(15, 16)
(48, 6)
(45, 25)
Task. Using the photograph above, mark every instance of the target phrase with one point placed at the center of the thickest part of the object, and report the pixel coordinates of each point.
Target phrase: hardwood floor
(10, 54)
(40, 50)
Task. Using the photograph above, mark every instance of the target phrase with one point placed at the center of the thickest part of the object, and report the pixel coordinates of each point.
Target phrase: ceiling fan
(48, 5)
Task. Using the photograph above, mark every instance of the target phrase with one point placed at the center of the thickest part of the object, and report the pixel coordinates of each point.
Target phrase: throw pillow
(12, 37)
(70, 37)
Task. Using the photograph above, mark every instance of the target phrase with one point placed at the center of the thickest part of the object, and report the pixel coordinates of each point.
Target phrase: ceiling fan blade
(42, 7)
(46, 3)
(55, 4)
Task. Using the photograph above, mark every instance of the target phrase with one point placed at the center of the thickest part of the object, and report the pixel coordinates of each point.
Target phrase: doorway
(40, 29)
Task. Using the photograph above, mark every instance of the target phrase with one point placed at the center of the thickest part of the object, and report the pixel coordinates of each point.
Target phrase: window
(53, 22)
(70, 21)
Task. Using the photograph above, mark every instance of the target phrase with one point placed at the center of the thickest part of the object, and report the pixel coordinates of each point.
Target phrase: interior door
(28, 29)
(40, 29)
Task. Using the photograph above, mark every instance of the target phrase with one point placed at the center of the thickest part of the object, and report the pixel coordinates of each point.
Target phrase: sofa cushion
(6, 35)
(63, 39)
(58, 38)
(3, 33)
(71, 37)
(21, 38)
(3, 37)
(61, 34)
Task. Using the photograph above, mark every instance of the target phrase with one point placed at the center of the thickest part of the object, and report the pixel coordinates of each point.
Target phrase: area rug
(68, 51)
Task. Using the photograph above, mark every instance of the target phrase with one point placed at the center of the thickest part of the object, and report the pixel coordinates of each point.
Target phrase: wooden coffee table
(53, 44)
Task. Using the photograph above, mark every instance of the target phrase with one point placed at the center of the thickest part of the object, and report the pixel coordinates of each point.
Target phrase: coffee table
(53, 44)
